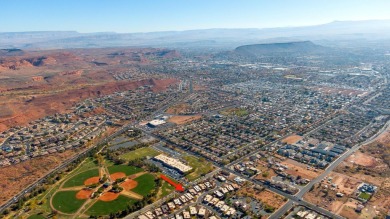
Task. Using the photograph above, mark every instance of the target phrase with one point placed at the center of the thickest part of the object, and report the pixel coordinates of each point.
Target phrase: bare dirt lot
(324, 198)
(292, 139)
(178, 109)
(362, 159)
(265, 196)
(370, 163)
(345, 184)
(381, 199)
(179, 120)
(298, 169)
(200, 88)
(271, 198)
(384, 138)
(265, 172)
(17, 177)
(349, 92)
(349, 212)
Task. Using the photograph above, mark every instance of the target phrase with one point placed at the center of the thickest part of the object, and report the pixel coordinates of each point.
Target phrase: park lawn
(88, 164)
(128, 170)
(200, 167)
(78, 180)
(146, 184)
(36, 216)
(66, 201)
(166, 189)
(364, 196)
(139, 153)
(235, 111)
(105, 208)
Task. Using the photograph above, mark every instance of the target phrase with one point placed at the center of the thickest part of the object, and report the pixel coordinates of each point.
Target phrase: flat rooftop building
(156, 122)
(173, 163)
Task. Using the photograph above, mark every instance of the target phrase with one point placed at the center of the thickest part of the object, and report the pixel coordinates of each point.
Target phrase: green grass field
(139, 153)
(235, 111)
(78, 180)
(105, 208)
(66, 201)
(35, 216)
(166, 189)
(145, 184)
(128, 170)
(364, 195)
(87, 165)
(200, 166)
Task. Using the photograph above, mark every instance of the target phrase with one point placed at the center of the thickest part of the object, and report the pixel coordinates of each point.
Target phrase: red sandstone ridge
(15, 63)
(76, 73)
(41, 61)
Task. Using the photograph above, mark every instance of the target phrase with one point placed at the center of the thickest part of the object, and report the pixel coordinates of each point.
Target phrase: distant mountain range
(338, 33)
(304, 47)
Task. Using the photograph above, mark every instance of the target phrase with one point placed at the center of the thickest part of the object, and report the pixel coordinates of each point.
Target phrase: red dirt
(292, 139)
(36, 84)
(177, 109)
(264, 196)
(179, 120)
(84, 194)
(92, 180)
(17, 177)
(129, 184)
(21, 110)
(362, 159)
(118, 175)
(109, 196)
(298, 169)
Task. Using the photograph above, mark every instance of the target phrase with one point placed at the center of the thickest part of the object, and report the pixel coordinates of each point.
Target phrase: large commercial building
(156, 122)
(173, 163)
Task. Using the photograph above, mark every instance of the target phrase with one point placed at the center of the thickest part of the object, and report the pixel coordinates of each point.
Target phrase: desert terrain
(34, 84)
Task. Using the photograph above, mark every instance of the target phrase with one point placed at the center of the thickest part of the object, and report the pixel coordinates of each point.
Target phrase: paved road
(125, 127)
(296, 199)
(289, 196)
(330, 168)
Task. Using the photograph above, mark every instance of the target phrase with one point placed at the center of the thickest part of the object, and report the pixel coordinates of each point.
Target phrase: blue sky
(162, 15)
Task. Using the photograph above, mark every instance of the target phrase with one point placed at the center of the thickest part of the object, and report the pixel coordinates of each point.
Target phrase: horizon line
(215, 28)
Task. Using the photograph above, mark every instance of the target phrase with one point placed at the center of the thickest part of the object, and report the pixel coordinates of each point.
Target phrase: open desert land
(17, 177)
(370, 163)
(265, 172)
(348, 211)
(292, 139)
(299, 169)
(35, 84)
(178, 108)
(345, 184)
(200, 87)
(180, 120)
(361, 159)
(381, 199)
(21, 110)
(325, 197)
(265, 196)
(324, 194)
